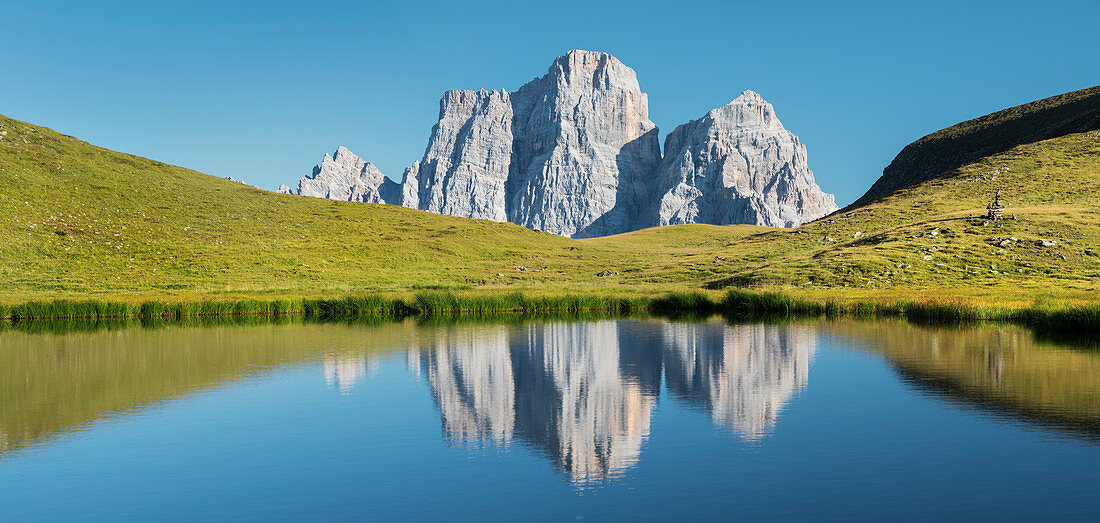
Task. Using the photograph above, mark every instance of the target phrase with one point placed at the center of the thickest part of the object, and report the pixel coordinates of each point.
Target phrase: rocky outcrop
(574, 153)
(345, 176)
(569, 153)
(409, 185)
(737, 164)
(585, 149)
(465, 168)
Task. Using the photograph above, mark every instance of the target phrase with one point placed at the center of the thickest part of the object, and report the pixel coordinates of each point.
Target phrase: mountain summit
(737, 164)
(345, 176)
(574, 153)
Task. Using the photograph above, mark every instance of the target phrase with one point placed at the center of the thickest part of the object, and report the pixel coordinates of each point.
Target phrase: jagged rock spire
(346, 176)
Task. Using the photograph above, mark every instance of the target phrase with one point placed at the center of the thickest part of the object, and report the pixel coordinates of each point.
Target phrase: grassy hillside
(948, 149)
(933, 236)
(85, 222)
(82, 221)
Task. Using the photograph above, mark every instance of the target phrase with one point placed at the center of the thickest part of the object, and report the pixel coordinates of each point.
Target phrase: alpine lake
(546, 418)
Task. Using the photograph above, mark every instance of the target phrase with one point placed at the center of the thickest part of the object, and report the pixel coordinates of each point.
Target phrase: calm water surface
(614, 419)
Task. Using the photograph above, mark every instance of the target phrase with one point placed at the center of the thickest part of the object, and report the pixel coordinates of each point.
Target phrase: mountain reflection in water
(584, 393)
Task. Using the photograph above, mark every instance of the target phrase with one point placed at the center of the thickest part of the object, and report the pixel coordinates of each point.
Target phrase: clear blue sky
(260, 90)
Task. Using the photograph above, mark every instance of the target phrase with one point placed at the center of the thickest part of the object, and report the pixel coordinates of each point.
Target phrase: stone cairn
(996, 209)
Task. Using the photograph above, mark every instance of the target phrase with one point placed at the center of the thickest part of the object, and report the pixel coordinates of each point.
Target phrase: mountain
(84, 222)
(574, 153)
(947, 149)
(737, 164)
(345, 176)
(569, 153)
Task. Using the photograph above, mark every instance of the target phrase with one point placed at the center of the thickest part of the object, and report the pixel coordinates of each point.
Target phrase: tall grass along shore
(735, 303)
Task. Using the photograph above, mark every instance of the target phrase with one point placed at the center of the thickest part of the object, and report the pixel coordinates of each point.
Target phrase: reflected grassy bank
(1005, 370)
(57, 377)
(53, 382)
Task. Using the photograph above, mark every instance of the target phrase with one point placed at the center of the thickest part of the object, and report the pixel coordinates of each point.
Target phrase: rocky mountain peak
(737, 164)
(584, 66)
(579, 73)
(581, 57)
(748, 96)
(343, 175)
(466, 100)
(574, 153)
(748, 110)
(564, 153)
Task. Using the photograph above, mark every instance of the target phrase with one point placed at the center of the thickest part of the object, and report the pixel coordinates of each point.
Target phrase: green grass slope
(933, 238)
(79, 221)
(83, 221)
(948, 149)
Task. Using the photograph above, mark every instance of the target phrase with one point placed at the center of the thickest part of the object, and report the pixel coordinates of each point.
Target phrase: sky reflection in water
(642, 419)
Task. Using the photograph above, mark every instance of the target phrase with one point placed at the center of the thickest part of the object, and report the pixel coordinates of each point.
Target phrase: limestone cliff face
(738, 164)
(569, 153)
(409, 187)
(574, 153)
(585, 149)
(345, 176)
(465, 168)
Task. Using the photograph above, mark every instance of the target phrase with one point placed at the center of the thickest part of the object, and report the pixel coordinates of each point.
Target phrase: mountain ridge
(84, 222)
(574, 153)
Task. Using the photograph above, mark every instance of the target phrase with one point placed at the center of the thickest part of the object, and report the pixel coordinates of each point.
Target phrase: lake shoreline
(735, 303)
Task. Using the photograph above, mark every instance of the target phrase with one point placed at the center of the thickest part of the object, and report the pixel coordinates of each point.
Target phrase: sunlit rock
(345, 176)
(737, 164)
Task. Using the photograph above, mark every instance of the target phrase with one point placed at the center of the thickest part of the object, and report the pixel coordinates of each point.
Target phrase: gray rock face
(738, 164)
(585, 148)
(465, 168)
(574, 153)
(283, 189)
(345, 176)
(409, 185)
(569, 153)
